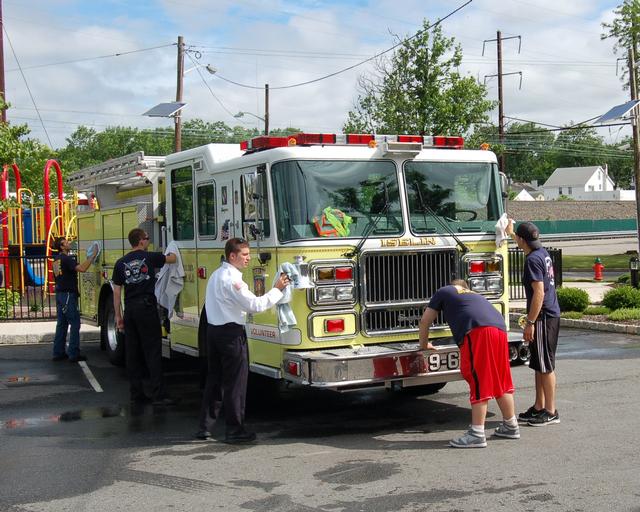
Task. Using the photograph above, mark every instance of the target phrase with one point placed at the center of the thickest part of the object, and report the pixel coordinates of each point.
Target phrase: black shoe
(166, 401)
(60, 358)
(203, 435)
(544, 418)
(529, 414)
(79, 357)
(240, 437)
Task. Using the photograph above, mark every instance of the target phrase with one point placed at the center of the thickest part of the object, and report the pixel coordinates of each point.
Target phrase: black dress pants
(227, 373)
(143, 346)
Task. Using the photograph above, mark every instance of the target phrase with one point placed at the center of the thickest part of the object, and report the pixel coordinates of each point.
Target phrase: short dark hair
(233, 246)
(57, 243)
(135, 236)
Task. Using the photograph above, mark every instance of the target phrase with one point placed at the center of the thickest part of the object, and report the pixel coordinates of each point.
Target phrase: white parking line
(90, 377)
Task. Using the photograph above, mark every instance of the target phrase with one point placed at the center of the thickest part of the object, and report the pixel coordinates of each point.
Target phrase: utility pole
(177, 144)
(266, 109)
(500, 74)
(500, 99)
(3, 114)
(633, 85)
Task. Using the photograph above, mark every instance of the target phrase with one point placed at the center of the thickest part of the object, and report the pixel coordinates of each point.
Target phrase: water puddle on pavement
(65, 417)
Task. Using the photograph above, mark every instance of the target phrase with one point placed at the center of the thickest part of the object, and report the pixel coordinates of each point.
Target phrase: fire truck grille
(395, 320)
(396, 287)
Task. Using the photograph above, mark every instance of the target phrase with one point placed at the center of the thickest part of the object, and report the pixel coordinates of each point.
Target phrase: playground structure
(28, 233)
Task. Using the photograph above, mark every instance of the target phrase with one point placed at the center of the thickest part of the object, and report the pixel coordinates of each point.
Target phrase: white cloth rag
(286, 318)
(501, 230)
(170, 280)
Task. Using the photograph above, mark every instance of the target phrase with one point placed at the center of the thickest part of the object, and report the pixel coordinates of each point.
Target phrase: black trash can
(633, 270)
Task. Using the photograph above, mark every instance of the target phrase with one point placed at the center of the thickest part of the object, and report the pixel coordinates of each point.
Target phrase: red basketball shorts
(484, 363)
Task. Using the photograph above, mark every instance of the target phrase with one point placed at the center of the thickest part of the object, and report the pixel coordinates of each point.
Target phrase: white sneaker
(469, 440)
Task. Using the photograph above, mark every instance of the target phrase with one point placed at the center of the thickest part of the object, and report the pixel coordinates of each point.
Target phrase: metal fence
(516, 265)
(22, 289)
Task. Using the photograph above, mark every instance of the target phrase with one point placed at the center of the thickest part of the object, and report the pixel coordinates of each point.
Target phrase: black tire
(110, 338)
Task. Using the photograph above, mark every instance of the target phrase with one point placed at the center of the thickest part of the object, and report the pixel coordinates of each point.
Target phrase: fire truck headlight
(344, 293)
(478, 284)
(494, 284)
(325, 294)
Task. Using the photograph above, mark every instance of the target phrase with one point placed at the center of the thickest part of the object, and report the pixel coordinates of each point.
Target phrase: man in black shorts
(543, 323)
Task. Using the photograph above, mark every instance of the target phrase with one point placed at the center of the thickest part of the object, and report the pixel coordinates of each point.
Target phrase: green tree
(419, 90)
(624, 30)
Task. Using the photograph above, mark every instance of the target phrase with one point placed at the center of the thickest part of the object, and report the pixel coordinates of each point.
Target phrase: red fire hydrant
(598, 269)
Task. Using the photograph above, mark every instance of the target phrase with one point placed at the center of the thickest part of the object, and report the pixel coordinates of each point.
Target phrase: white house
(526, 192)
(584, 183)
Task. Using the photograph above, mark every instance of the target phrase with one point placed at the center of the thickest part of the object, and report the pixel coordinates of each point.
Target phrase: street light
(208, 67)
(242, 114)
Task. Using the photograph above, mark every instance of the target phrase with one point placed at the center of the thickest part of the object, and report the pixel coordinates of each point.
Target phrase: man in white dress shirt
(227, 302)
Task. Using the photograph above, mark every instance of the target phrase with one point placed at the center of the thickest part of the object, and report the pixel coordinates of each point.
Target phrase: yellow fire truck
(370, 226)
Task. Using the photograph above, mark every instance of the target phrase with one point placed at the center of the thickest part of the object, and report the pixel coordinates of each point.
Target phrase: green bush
(622, 297)
(597, 310)
(623, 278)
(572, 299)
(574, 315)
(8, 299)
(625, 314)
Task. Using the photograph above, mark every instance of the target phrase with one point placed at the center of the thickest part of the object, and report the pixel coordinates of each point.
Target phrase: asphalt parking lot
(65, 446)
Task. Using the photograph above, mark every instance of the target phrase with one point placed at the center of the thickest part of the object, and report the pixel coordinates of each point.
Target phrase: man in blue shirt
(543, 323)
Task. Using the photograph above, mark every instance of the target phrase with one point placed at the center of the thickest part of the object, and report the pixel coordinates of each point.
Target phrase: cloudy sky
(67, 48)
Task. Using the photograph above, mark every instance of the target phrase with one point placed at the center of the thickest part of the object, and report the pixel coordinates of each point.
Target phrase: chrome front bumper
(370, 365)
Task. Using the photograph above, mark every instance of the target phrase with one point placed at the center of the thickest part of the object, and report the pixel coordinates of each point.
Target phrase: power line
(119, 54)
(207, 85)
(349, 68)
(15, 56)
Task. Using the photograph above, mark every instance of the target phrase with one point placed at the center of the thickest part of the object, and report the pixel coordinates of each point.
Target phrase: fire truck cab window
(465, 195)
(207, 210)
(182, 203)
(365, 191)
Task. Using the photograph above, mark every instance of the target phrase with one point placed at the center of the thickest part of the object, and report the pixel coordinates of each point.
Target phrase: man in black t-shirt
(135, 271)
(65, 272)
(542, 323)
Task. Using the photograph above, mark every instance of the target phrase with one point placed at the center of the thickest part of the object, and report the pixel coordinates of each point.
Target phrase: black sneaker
(203, 435)
(240, 437)
(77, 358)
(529, 414)
(544, 418)
(60, 357)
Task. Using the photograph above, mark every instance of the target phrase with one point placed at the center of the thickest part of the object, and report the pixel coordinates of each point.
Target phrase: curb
(29, 339)
(589, 324)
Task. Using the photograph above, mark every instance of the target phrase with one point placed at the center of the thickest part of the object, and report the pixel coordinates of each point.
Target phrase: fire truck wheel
(111, 339)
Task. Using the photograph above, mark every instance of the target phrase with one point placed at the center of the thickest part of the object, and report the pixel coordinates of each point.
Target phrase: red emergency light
(410, 138)
(314, 138)
(448, 142)
(361, 139)
(344, 273)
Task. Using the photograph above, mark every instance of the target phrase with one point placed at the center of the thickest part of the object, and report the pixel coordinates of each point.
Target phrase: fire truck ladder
(127, 171)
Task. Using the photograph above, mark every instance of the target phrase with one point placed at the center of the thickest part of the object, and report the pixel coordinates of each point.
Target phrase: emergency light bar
(352, 139)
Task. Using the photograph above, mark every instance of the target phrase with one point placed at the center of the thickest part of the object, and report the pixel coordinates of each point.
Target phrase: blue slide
(33, 279)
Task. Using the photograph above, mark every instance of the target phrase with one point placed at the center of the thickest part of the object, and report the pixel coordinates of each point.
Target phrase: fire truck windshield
(318, 198)
(464, 195)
